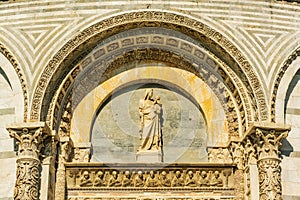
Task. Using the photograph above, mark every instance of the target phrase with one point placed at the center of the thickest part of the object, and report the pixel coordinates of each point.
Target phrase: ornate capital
(267, 138)
(29, 137)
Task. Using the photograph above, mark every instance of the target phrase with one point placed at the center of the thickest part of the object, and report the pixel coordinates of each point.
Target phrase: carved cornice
(19, 73)
(76, 48)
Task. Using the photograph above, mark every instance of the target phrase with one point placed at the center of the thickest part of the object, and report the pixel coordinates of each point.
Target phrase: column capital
(29, 137)
(267, 138)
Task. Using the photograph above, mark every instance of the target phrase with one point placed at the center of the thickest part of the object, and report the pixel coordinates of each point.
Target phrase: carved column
(29, 138)
(269, 137)
(65, 150)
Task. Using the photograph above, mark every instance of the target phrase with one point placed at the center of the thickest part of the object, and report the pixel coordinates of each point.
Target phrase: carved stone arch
(80, 46)
(90, 76)
(282, 81)
(14, 74)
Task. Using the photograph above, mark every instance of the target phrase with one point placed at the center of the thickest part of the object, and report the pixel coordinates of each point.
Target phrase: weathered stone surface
(251, 49)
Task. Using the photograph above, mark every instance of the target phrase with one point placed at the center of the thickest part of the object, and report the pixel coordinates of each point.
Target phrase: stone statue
(126, 182)
(150, 124)
(216, 180)
(177, 180)
(164, 180)
(99, 181)
(151, 180)
(139, 180)
(190, 180)
(85, 180)
(113, 180)
(204, 179)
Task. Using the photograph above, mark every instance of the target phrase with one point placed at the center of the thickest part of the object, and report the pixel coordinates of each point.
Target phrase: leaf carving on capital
(269, 142)
(29, 140)
(219, 155)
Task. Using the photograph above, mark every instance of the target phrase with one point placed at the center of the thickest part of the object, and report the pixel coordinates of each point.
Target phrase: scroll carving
(27, 179)
(81, 155)
(269, 179)
(30, 140)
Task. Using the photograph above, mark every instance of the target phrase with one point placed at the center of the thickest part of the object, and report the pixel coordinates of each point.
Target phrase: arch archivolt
(77, 48)
(20, 89)
(85, 111)
(283, 79)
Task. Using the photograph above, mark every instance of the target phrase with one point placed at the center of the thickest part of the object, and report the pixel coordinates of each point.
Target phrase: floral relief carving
(30, 139)
(269, 179)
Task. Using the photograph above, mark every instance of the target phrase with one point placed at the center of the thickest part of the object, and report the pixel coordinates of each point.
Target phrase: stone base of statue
(153, 156)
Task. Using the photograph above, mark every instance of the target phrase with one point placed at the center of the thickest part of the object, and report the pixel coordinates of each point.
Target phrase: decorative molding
(19, 73)
(151, 178)
(269, 179)
(142, 19)
(280, 75)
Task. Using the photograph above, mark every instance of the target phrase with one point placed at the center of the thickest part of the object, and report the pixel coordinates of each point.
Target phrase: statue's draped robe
(151, 128)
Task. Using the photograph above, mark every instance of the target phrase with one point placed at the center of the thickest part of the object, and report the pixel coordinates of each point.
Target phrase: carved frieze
(130, 177)
(146, 181)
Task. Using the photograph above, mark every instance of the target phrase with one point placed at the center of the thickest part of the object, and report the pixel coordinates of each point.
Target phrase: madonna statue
(150, 122)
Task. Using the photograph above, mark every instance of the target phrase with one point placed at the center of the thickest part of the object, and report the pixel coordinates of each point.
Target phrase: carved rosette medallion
(29, 138)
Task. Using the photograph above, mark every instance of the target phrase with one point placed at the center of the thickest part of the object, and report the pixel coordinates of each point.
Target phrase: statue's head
(203, 174)
(164, 173)
(100, 174)
(190, 173)
(140, 174)
(152, 174)
(178, 174)
(114, 173)
(148, 94)
(86, 174)
(127, 174)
